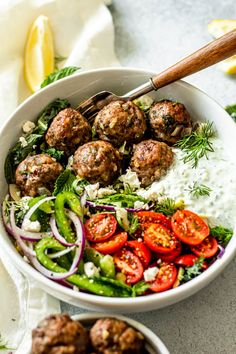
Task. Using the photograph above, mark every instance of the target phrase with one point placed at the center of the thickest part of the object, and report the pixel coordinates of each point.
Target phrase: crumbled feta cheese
(139, 205)
(92, 190)
(28, 126)
(105, 191)
(130, 179)
(122, 217)
(24, 202)
(91, 270)
(150, 274)
(152, 192)
(23, 141)
(32, 226)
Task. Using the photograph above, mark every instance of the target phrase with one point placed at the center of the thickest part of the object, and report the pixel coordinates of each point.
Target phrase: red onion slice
(57, 234)
(48, 273)
(80, 242)
(112, 208)
(60, 253)
(35, 207)
(27, 250)
(222, 251)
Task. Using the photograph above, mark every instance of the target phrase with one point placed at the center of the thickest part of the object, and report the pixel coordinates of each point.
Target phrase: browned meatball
(97, 161)
(120, 121)
(68, 130)
(59, 334)
(150, 160)
(169, 120)
(35, 172)
(112, 336)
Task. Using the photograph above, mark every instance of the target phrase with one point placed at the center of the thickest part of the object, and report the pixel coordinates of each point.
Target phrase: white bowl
(118, 80)
(154, 345)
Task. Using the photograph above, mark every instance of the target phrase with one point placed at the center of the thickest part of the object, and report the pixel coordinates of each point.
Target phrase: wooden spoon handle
(215, 51)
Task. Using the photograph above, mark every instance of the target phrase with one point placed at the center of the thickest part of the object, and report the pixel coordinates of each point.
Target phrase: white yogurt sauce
(218, 172)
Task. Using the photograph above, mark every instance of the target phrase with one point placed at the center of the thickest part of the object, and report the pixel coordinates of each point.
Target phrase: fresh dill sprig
(192, 272)
(168, 206)
(199, 190)
(197, 144)
(222, 234)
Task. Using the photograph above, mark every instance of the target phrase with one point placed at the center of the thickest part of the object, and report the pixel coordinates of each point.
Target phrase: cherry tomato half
(130, 265)
(100, 227)
(207, 248)
(187, 260)
(114, 244)
(189, 227)
(170, 257)
(141, 251)
(145, 217)
(159, 239)
(165, 278)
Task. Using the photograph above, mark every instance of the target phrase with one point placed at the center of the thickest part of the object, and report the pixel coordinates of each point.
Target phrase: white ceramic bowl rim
(191, 286)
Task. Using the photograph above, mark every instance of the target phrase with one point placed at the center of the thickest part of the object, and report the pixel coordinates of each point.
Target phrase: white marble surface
(154, 34)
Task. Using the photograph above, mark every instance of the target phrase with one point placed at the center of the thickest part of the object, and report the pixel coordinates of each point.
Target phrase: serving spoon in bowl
(214, 52)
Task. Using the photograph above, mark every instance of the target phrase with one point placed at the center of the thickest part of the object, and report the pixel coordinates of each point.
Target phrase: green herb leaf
(59, 74)
(197, 144)
(57, 154)
(232, 111)
(195, 270)
(222, 234)
(133, 223)
(140, 288)
(120, 200)
(199, 190)
(64, 182)
(169, 206)
(18, 153)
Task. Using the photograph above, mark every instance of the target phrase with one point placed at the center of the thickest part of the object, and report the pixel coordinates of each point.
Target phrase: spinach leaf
(18, 152)
(59, 74)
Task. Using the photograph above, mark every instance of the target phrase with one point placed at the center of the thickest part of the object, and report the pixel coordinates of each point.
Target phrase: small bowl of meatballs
(122, 213)
(94, 333)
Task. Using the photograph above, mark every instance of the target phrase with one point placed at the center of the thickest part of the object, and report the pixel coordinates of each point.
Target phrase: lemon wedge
(218, 28)
(39, 53)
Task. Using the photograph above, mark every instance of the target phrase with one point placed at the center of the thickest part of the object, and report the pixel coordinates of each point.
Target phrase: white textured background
(154, 34)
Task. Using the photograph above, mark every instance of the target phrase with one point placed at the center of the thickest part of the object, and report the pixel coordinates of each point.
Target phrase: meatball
(150, 160)
(112, 336)
(68, 131)
(97, 161)
(59, 334)
(120, 121)
(35, 172)
(169, 120)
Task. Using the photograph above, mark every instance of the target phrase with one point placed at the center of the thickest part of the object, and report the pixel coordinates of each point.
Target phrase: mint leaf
(64, 182)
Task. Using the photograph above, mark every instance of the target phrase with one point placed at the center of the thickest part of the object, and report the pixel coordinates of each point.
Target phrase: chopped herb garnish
(232, 111)
(222, 234)
(57, 154)
(199, 190)
(195, 270)
(168, 206)
(197, 144)
(59, 74)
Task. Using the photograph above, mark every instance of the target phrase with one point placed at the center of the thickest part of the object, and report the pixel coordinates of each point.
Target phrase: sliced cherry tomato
(141, 251)
(100, 227)
(187, 260)
(159, 239)
(170, 257)
(207, 248)
(130, 265)
(165, 278)
(145, 217)
(114, 244)
(189, 227)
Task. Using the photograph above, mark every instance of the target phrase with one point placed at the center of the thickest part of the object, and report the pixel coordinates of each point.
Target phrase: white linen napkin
(83, 33)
